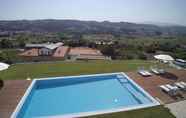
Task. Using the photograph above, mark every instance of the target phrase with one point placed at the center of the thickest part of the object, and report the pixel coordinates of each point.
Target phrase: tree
(92, 45)
(21, 43)
(142, 56)
(109, 51)
(63, 36)
(151, 48)
(5, 57)
(5, 43)
(2, 57)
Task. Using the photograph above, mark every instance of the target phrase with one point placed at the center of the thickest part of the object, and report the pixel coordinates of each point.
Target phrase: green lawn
(12, 54)
(154, 112)
(22, 71)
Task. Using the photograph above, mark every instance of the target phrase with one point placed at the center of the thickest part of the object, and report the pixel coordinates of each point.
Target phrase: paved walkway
(178, 109)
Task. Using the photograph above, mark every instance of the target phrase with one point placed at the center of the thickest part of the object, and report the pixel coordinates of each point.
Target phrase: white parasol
(3, 66)
(163, 57)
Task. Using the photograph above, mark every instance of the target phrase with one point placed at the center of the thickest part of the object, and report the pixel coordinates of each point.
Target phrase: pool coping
(83, 114)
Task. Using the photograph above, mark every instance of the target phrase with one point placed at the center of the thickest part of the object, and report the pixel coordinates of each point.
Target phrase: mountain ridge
(90, 27)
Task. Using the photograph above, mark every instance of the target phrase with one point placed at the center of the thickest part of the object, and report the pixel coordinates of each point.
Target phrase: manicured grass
(22, 71)
(12, 54)
(154, 112)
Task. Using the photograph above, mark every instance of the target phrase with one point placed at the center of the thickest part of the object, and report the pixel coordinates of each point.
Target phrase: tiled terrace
(13, 90)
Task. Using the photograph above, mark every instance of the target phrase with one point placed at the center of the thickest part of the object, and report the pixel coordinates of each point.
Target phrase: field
(36, 70)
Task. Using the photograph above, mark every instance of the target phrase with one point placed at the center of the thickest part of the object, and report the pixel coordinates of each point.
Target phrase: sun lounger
(164, 88)
(181, 86)
(183, 83)
(148, 73)
(144, 73)
(174, 90)
(155, 71)
(171, 90)
(161, 71)
(172, 87)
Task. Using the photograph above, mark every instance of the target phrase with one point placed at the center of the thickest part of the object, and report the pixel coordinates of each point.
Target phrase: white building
(45, 49)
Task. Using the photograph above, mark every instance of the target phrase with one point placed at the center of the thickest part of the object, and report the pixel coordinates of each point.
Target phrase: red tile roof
(61, 51)
(31, 52)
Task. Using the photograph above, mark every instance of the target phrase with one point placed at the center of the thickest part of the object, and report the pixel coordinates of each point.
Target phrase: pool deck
(13, 90)
(10, 95)
(150, 84)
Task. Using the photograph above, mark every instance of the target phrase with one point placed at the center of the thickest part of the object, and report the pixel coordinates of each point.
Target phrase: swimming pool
(82, 96)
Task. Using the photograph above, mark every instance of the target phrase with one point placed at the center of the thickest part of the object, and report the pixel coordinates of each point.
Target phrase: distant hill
(162, 24)
(90, 27)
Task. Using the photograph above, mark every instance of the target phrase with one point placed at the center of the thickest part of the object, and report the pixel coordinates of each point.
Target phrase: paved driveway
(178, 109)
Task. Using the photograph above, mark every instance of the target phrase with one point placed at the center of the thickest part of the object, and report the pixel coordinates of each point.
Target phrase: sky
(163, 11)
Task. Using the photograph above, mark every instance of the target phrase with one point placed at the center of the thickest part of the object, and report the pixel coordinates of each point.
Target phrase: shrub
(1, 83)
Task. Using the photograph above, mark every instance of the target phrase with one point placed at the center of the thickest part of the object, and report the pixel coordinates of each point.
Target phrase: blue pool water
(81, 94)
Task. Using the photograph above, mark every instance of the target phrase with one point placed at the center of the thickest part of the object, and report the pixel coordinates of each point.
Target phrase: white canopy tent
(167, 59)
(3, 66)
(164, 58)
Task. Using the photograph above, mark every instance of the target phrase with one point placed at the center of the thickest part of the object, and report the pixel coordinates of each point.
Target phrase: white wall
(45, 52)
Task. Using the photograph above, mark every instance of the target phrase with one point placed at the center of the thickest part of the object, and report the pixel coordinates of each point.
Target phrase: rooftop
(45, 45)
(61, 51)
(32, 52)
